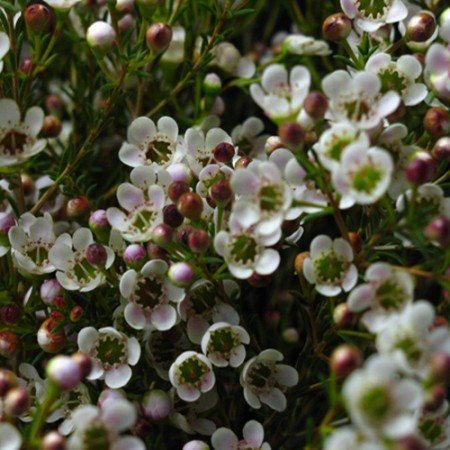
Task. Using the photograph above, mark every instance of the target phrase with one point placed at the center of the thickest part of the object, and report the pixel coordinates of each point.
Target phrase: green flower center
(13, 143)
(260, 375)
(158, 151)
(38, 253)
(143, 219)
(392, 80)
(337, 146)
(410, 348)
(329, 268)
(374, 9)
(111, 351)
(270, 198)
(432, 430)
(366, 179)
(83, 271)
(376, 403)
(244, 249)
(191, 371)
(96, 437)
(223, 341)
(389, 295)
(202, 299)
(357, 109)
(149, 293)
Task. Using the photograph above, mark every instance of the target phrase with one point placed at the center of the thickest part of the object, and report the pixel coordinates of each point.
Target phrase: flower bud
(439, 230)
(441, 149)
(155, 251)
(17, 401)
(26, 66)
(181, 274)
(437, 122)
(291, 134)
(337, 27)
(342, 316)
(77, 207)
(316, 105)
(76, 313)
(135, 256)
(162, 234)
(421, 169)
(345, 359)
(224, 152)
(54, 104)
(421, 27)
(7, 221)
(39, 18)
(243, 162)
(126, 23)
(157, 404)
(49, 340)
(177, 189)
(171, 216)
(409, 443)
(9, 344)
(180, 172)
(8, 380)
(434, 397)
(51, 127)
(212, 84)
(53, 441)
(158, 37)
(96, 255)
(299, 260)
(60, 302)
(221, 192)
(28, 186)
(272, 144)
(101, 36)
(196, 445)
(272, 318)
(190, 205)
(49, 290)
(10, 314)
(355, 241)
(183, 234)
(198, 241)
(290, 335)
(439, 368)
(84, 363)
(99, 225)
(64, 372)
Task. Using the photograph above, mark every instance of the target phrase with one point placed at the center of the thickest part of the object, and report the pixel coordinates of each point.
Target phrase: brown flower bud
(40, 18)
(291, 134)
(177, 189)
(316, 104)
(190, 205)
(9, 344)
(51, 127)
(158, 36)
(421, 27)
(437, 122)
(337, 27)
(299, 260)
(77, 207)
(8, 380)
(17, 401)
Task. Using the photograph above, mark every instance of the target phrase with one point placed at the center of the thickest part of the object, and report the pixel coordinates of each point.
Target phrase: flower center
(282, 90)
(191, 371)
(357, 109)
(158, 150)
(409, 347)
(329, 268)
(110, 351)
(270, 198)
(82, 270)
(37, 251)
(142, 219)
(223, 341)
(392, 80)
(389, 295)
(202, 299)
(260, 376)
(376, 403)
(432, 430)
(149, 293)
(366, 178)
(13, 143)
(244, 249)
(335, 148)
(96, 437)
(374, 9)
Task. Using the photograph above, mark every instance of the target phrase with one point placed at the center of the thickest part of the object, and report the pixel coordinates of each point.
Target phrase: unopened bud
(421, 27)
(96, 255)
(49, 290)
(9, 344)
(84, 363)
(342, 316)
(40, 18)
(299, 260)
(337, 27)
(99, 225)
(290, 335)
(51, 127)
(157, 404)
(224, 152)
(421, 169)
(441, 149)
(162, 234)
(243, 162)
(77, 207)
(10, 314)
(171, 216)
(76, 313)
(272, 144)
(26, 66)
(437, 122)
(53, 441)
(410, 443)
(196, 445)
(198, 241)
(64, 372)
(158, 37)
(177, 189)
(212, 84)
(101, 36)
(135, 256)
(48, 339)
(181, 274)
(272, 318)
(345, 359)
(221, 192)
(439, 368)
(8, 380)
(28, 186)
(316, 105)
(190, 205)
(439, 230)
(435, 397)
(355, 241)
(17, 401)
(291, 134)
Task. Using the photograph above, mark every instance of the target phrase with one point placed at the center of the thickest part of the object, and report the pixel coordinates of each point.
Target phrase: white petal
(82, 238)
(274, 76)
(414, 94)
(60, 256)
(117, 378)
(168, 127)
(188, 393)
(388, 103)
(224, 439)
(360, 298)
(34, 118)
(286, 375)
(397, 12)
(134, 351)
(275, 399)
(410, 66)
(87, 337)
(268, 262)
(9, 113)
(253, 432)
(128, 443)
(343, 249)
(131, 155)
(164, 317)
(10, 438)
(118, 414)
(4, 44)
(350, 278)
(134, 316)
(367, 83)
(154, 267)
(320, 244)
(129, 196)
(140, 130)
(117, 219)
(336, 82)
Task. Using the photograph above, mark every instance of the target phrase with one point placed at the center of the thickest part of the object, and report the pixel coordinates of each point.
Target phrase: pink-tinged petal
(410, 66)
(378, 61)
(156, 195)
(9, 113)
(215, 137)
(327, 290)
(273, 77)
(154, 267)
(134, 316)
(367, 83)
(268, 262)
(119, 377)
(117, 219)
(118, 414)
(129, 196)
(134, 351)
(164, 317)
(397, 12)
(246, 213)
(336, 82)
(241, 273)
(253, 432)
(244, 182)
(220, 242)
(294, 172)
(257, 94)
(238, 356)
(350, 279)
(415, 94)
(143, 176)
(34, 118)
(251, 398)
(308, 270)
(140, 130)
(84, 414)
(360, 298)
(82, 238)
(188, 393)
(388, 103)
(196, 328)
(343, 249)
(224, 439)
(378, 271)
(280, 157)
(349, 7)
(168, 127)
(208, 380)
(275, 399)
(86, 339)
(320, 244)
(131, 156)
(96, 371)
(128, 443)
(17, 237)
(437, 59)
(286, 375)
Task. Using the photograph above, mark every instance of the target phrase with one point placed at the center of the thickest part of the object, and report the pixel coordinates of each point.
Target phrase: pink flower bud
(101, 36)
(135, 256)
(64, 372)
(181, 274)
(8, 380)
(345, 359)
(198, 241)
(10, 314)
(17, 401)
(159, 36)
(96, 255)
(77, 207)
(53, 441)
(162, 234)
(84, 363)
(49, 290)
(157, 404)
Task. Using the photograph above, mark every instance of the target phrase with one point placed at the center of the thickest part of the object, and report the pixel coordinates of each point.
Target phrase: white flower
(18, 139)
(101, 427)
(149, 293)
(223, 344)
(143, 211)
(10, 438)
(347, 438)
(112, 353)
(62, 5)
(373, 14)
(364, 174)
(264, 380)
(381, 403)
(437, 70)
(399, 76)
(31, 241)
(229, 59)
(4, 47)
(298, 44)
(148, 143)
(282, 98)
(191, 375)
(245, 252)
(247, 136)
(253, 431)
(357, 99)
(74, 271)
(434, 428)
(330, 266)
(386, 292)
(70, 401)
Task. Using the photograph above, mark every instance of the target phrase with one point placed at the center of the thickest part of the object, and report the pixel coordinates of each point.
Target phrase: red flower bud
(337, 27)
(158, 37)
(9, 344)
